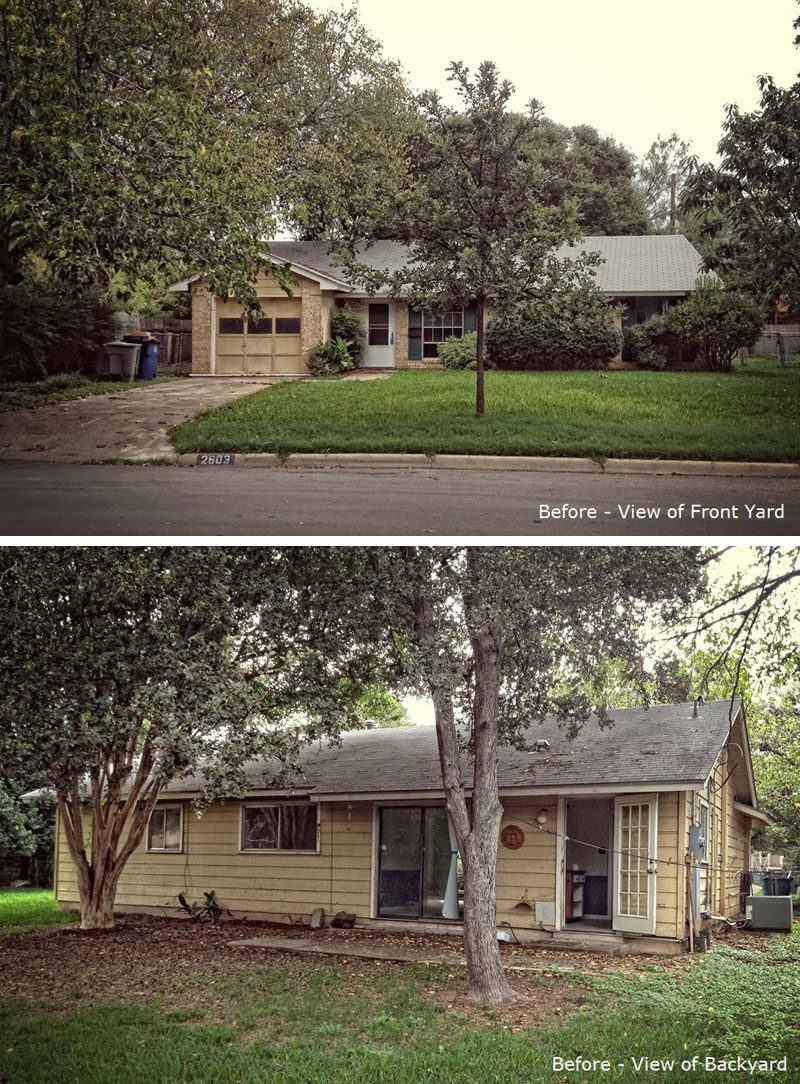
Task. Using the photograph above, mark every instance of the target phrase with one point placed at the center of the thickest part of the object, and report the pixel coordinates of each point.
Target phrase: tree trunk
(97, 911)
(480, 306)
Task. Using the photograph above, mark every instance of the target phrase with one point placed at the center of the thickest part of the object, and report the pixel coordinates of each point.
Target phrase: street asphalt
(80, 500)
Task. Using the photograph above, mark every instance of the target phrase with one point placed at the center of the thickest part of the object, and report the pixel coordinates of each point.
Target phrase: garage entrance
(268, 345)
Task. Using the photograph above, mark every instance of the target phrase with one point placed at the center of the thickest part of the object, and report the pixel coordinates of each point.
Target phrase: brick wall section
(202, 330)
(401, 335)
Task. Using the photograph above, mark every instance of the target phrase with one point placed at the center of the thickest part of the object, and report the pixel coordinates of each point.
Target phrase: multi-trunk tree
(121, 669)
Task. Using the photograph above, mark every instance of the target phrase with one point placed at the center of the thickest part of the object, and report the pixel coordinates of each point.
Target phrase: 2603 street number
(215, 459)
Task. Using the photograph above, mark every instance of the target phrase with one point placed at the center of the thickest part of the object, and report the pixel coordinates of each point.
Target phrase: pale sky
(630, 68)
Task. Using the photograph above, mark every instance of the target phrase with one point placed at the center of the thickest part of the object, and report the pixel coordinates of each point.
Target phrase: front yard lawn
(171, 1002)
(750, 414)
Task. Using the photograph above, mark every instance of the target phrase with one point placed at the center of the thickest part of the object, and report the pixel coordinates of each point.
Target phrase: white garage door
(267, 345)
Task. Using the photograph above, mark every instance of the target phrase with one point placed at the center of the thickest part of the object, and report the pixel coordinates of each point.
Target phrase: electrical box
(769, 912)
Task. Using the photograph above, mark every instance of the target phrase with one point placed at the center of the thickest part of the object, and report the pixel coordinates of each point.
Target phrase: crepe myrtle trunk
(117, 828)
(480, 310)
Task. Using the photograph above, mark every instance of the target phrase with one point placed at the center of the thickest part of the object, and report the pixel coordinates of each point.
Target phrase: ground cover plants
(175, 1003)
(749, 414)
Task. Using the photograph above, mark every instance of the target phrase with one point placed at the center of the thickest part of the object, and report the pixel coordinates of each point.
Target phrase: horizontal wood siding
(286, 885)
(669, 909)
(529, 873)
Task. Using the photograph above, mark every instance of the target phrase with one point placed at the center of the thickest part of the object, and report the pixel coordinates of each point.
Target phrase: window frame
(314, 806)
(164, 807)
(427, 323)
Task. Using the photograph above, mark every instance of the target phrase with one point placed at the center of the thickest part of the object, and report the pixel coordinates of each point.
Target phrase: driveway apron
(125, 425)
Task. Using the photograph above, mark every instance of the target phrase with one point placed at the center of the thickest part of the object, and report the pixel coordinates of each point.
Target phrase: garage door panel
(270, 344)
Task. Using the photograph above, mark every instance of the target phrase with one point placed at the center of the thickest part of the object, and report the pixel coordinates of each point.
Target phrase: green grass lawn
(298, 1021)
(750, 414)
(30, 908)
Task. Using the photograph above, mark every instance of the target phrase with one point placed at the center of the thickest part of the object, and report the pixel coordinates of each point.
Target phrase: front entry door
(379, 351)
(635, 832)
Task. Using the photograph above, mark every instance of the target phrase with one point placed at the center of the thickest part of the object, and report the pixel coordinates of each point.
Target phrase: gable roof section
(654, 747)
(654, 264)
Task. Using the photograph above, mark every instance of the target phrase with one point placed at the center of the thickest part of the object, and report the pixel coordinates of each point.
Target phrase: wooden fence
(175, 336)
(775, 336)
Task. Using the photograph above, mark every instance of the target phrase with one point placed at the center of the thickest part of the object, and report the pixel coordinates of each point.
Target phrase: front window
(165, 830)
(436, 329)
(278, 828)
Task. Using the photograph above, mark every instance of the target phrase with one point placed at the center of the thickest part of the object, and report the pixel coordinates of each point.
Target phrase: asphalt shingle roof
(650, 264)
(658, 745)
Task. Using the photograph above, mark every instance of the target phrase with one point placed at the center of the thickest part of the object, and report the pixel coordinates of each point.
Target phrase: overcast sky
(630, 68)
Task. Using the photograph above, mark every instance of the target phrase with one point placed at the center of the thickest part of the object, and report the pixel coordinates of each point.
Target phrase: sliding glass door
(415, 860)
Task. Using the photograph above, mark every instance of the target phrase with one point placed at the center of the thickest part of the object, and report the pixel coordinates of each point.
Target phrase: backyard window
(165, 830)
(278, 828)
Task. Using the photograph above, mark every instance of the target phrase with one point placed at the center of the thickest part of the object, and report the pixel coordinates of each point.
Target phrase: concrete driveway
(127, 425)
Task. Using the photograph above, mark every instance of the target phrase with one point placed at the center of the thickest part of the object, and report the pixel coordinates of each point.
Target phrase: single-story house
(645, 274)
(594, 840)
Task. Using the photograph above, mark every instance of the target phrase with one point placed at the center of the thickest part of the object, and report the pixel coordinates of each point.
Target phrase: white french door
(635, 876)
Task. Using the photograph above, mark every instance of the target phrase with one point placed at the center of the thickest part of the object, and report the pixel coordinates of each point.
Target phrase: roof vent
(697, 704)
(541, 745)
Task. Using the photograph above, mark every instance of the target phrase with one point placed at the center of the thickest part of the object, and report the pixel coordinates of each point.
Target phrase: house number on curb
(512, 837)
(215, 459)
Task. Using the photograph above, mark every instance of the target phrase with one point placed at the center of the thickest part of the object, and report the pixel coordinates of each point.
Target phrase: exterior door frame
(382, 356)
(645, 867)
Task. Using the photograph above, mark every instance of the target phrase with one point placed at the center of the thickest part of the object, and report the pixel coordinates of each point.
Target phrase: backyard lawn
(750, 414)
(164, 1000)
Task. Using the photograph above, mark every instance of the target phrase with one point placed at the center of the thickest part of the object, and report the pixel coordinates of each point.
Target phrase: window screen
(279, 828)
(164, 831)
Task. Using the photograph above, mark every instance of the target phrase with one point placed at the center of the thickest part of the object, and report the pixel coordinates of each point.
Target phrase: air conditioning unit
(769, 912)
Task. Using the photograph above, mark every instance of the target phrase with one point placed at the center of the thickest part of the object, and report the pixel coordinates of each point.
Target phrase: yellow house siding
(528, 873)
(669, 910)
(283, 885)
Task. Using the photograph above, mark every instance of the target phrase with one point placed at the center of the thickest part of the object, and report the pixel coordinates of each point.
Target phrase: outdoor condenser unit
(769, 912)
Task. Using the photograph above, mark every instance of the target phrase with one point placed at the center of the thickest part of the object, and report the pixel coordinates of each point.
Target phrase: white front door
(635, 833)
(380, 334)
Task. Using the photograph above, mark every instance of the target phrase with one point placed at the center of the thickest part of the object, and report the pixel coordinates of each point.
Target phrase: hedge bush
(655, 346)
(349, 325)
(714, 323)
(455, 353)
(48, 328)
(572, 329)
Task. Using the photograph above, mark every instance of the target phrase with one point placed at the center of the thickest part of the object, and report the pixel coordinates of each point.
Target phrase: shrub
(48, 328)
(569, 329)
(330, 357)
(715, 323)
(655, 346)
(349, 324)
(455, 353)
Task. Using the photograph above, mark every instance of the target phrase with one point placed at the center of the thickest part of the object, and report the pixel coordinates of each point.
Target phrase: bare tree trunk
(480, 308)
(477, 828)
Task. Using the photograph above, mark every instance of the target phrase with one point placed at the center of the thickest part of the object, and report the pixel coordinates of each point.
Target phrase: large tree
(479, 218)
(499, 638)
(660, 177)
(748, 207)
(121, 669)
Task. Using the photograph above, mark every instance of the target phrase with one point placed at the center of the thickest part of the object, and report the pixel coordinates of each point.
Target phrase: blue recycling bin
(148, 355)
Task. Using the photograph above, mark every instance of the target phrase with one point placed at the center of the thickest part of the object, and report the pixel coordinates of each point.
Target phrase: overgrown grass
(61, 387)
(750, 414)
(273, 1023)
(30, 909)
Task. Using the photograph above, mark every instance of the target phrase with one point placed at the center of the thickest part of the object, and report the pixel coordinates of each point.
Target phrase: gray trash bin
(121, 361)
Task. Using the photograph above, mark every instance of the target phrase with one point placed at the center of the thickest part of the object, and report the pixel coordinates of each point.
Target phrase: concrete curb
(419, 461)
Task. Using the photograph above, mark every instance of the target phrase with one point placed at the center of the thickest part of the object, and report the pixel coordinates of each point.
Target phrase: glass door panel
(400, 862)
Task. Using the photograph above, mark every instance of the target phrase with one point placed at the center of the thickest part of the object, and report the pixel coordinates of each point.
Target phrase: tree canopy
(748, 207)
(665, 159)
(165, 137)
(160, 663)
